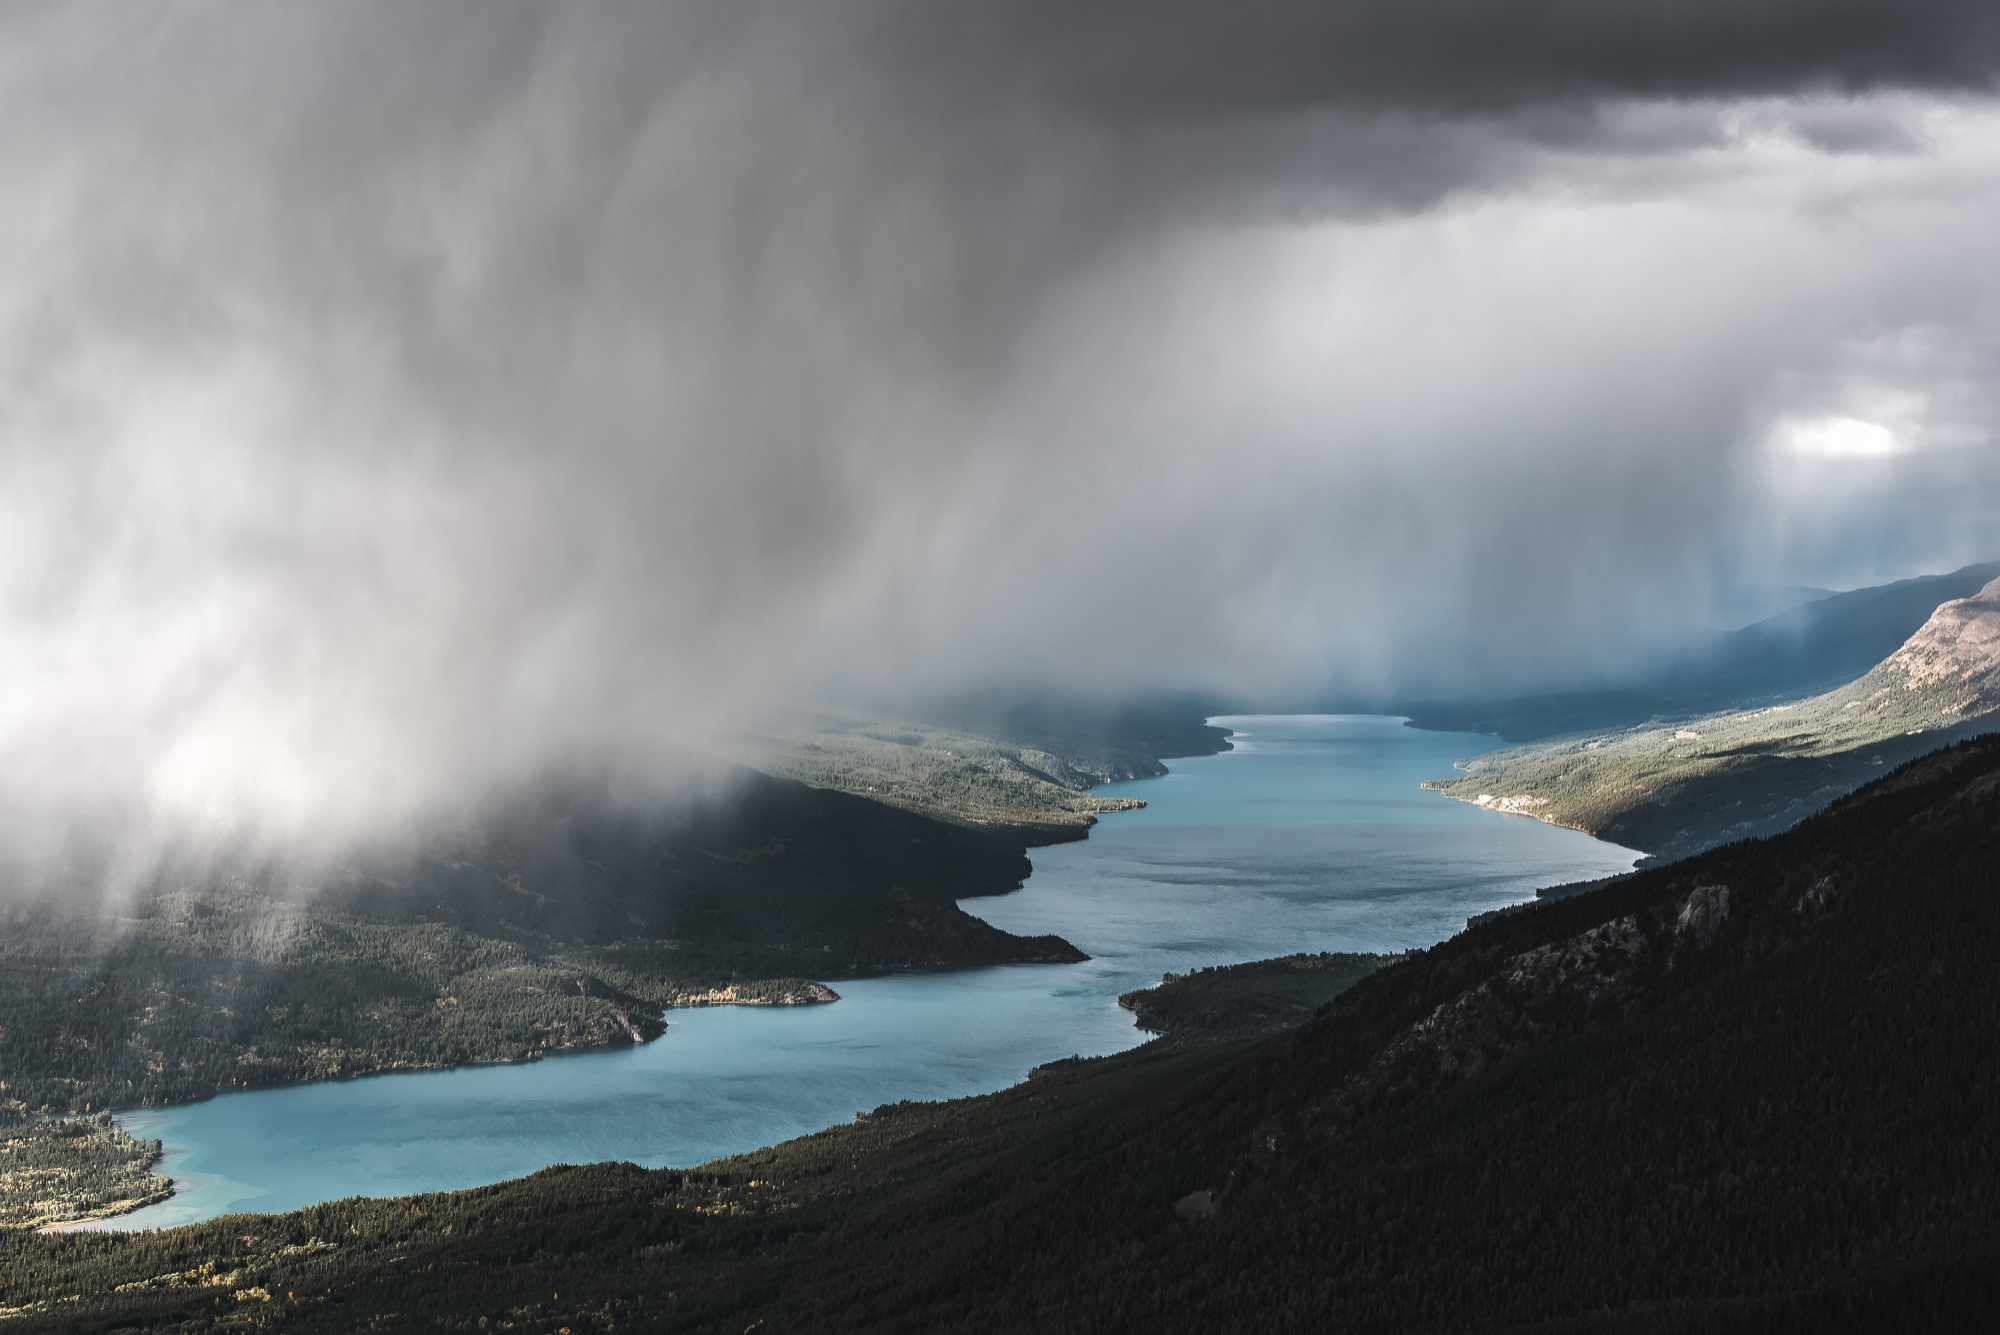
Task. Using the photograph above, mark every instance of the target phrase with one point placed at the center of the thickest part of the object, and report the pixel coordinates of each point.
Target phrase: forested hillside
(58, 1170)
(566, 920)
(1751, 1090)
(944, 774)
(1026, 764)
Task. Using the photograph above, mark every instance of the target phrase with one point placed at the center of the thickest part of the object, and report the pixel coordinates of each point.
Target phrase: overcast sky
(396, 395)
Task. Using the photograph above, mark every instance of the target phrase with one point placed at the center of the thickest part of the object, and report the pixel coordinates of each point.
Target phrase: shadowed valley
(1728, 1085)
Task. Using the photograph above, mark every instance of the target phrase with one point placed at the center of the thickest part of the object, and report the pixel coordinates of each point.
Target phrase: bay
(1312, 834)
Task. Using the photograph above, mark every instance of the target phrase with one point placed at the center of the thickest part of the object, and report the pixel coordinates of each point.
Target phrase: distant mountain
(1821, 644)
(1754, 1090)
(1799, 652)
(1737, 605)
(1699, 781)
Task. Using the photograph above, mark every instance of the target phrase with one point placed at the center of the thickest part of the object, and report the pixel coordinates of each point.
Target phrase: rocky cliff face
(1541, 995)
(1958, 649)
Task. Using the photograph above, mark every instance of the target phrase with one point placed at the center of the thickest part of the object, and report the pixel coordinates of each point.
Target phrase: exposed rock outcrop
(1704, 911)
(1960, 644)
(1540, 995)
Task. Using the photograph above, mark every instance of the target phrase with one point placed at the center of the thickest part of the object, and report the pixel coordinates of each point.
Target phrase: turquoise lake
(1311, 835)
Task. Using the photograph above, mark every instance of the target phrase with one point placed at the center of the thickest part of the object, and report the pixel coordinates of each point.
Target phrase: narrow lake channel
(1311, 835)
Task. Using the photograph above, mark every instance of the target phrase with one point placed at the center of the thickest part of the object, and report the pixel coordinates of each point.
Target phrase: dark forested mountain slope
(760, 860)
(1769, 1070)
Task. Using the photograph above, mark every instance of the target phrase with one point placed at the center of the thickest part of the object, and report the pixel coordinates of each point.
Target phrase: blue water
(1311, 835)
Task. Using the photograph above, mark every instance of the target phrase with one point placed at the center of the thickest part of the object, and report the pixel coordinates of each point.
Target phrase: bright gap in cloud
(1836, 438)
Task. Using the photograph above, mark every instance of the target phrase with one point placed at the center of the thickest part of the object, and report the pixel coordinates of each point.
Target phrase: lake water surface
(1311, 835)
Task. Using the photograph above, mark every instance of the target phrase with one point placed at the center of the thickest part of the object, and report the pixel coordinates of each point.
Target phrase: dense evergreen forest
(1245, 1000)
(61, 1170)
(1753, 1090)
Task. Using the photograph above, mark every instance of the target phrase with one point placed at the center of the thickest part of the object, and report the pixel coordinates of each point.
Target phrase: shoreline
(1488, 802)
(697, 1001)
(814, 993)
(1035, 837)
(714, 998)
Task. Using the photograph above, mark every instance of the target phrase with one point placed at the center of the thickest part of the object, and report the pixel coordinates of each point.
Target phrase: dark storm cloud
(399, 397)
(1187, 61)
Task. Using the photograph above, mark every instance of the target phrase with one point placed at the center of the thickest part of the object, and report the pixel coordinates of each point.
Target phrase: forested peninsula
(59, 1170)
(1247, 1000)
(569, 918)
(563, 923)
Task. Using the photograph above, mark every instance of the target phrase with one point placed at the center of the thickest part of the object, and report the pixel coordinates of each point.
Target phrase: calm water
(1311, 835)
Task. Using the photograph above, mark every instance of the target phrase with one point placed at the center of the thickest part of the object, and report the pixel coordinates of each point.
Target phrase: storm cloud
(1179, 60)
(394, 398)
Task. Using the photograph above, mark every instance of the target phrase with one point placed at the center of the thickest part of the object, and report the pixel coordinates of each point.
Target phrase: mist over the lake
(398, 400)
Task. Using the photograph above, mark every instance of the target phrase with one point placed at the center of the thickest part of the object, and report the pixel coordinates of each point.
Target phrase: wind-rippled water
(1311, 835)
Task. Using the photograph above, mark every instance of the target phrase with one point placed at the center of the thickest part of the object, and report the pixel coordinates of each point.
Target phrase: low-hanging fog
(395, 396)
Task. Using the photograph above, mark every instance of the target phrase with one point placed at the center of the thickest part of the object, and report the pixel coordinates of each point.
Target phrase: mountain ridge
(1675, 788)
(1802, 651)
